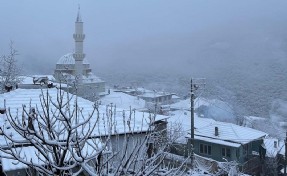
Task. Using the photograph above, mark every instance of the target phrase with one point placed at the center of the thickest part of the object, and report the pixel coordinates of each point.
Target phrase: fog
(240, 47)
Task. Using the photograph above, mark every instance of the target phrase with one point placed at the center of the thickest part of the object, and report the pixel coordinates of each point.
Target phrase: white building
(74, 69)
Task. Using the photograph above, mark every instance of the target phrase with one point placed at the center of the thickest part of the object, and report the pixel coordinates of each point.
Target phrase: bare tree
(58, 134)
(143, 151)
(9, 71)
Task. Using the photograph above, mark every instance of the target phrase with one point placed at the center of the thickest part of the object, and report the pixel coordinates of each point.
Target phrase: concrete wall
(120, 144)
(90, 91)
(126, 144)
(32, 86)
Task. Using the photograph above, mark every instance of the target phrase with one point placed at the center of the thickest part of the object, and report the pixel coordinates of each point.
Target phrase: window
(201, 148)
(237, 153)
(226, 152)
(245, 149)
(209, 150)
(205, 149)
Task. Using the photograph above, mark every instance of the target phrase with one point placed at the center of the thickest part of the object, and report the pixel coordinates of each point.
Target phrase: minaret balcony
(79, 56)
(79, 37)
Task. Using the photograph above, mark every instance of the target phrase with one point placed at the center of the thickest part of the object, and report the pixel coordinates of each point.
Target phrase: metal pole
(285, 155)
(192, 122)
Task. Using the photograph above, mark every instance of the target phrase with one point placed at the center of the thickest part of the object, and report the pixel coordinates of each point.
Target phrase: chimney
(275, 144)
(216, 131)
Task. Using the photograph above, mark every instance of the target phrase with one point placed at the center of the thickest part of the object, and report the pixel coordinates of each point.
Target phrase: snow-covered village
(143, 88)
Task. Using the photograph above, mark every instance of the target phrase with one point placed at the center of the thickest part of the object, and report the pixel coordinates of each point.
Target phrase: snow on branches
(61, 133)
(60, 143)
(9, 71)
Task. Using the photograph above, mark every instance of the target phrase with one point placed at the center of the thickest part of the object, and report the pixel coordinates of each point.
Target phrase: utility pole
(285, 155)
(195, 84)
(191, 145)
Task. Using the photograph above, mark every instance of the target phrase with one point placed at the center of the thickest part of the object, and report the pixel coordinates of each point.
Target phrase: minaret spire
(79, 55)
(79, 18)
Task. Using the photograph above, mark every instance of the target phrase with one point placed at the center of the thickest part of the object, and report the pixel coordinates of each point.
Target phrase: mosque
(74, 68)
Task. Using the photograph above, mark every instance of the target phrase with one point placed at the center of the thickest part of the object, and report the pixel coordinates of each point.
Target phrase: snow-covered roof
(230, 132)
(248, 121)
(123, 100)
(217, 141)
(29, 79)
(69, 59)
(205, 127)
(273, 146)
(145, 93)
(16, 98)
(175, 97)
(154, 94)
(182, 118)
(29, 154)
(185, 104)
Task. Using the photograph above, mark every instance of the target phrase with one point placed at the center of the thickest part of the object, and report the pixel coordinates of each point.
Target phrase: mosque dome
(68, 59)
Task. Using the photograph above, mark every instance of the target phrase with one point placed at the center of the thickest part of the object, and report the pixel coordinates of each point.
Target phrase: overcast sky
(146, 35)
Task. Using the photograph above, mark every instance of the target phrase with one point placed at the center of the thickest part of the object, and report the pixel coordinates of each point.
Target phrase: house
(154, 100)
(220, 141)
(122, 100)
(225, 141)
(116, 126)
(155, 97)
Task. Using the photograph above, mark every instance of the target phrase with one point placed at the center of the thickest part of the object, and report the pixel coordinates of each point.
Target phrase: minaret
(78, 55)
